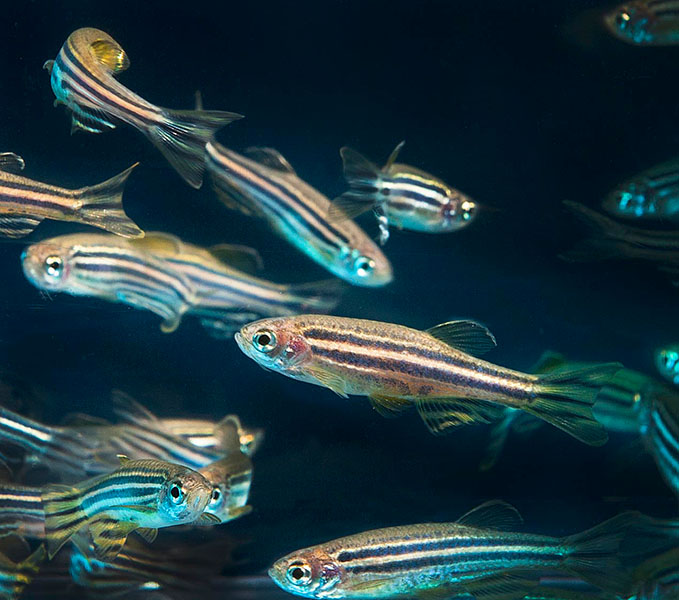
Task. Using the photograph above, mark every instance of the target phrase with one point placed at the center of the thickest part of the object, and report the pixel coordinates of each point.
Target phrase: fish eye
(364, 266)
(176, 493)
(468, 210)
(299, 574)
(216, 495)
(264, 340)
(53, 266)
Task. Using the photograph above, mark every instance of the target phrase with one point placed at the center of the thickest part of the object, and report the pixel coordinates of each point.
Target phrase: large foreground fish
(480, 554)
(25, 203)
(436, 371)
(83, 78)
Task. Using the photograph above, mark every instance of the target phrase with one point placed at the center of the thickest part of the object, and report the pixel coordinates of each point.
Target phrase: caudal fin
(182, 137)
(64, 516)
(103, 206)
(316, 297)
(565, 399)
(363, 178)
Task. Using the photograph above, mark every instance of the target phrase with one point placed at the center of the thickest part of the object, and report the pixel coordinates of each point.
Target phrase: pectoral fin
(269, 157)
(147, 533)
(109, 536)
(18, 226)
(11, 163)
(329, 380)
(111, 55)
(243, 258)
(208, 519)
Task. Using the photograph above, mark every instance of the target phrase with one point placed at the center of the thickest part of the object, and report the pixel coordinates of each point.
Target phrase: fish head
(184, 496)
(457, 211)
(277, 344)
(311, 573)
(630, 22)
(628, 200)
(364, 265)
(667, 362)
(48, 265)
(230, 478)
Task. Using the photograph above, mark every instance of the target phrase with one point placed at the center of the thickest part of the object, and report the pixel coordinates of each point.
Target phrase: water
(521, 105)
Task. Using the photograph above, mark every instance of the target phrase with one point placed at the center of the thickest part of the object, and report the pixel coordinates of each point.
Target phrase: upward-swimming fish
(667, 362)
(25, 203)
(435, 370)
(400, 195)
(645, 22)
(83, 78)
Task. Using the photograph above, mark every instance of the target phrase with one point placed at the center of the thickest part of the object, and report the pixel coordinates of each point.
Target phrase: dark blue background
(520, 104)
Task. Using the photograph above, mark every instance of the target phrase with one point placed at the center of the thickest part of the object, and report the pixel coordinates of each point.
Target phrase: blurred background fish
(645, 22)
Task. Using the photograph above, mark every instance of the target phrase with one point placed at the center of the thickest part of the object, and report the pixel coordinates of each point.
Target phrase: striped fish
(141, 495)
(25, 203)
(645, 22)
(16, 575)
(667, 363)
(231, 478)
(22, 511)
(400, 195)
(478, 555)
(658, 578)
(83, 79)
(437, 371)
(653, 194)
(167, 277)
(263, 184)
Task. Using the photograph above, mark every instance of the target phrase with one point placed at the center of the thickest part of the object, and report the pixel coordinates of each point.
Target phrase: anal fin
(389, 406)
(442, 414)
(18, 226)
(109, 536)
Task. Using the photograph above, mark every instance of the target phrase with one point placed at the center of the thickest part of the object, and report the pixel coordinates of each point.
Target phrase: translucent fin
(497, 440)
(156, 242)
(565, 399)
(209, 519)
(494, 514)
(243, 258)
(129, 410)
(18, 574)
(148, 534)
(102, 206)
(389, 406)
(18, 226)
(468, 336)
(48, 65)
(442, 414)
(270, 158)
(89, 120)
(316, 296)
(111, 55)
(596, 221)
(63, 515)
(170, 312)
(349, 206)
(503, 586)
(11, 163)
(548, 361)
(394, 155)
(182, 137)
(109, 536)
(329, 380)
(595, 556)
(363, 178)
(234, 199)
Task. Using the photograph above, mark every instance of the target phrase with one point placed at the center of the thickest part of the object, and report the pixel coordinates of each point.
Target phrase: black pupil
(297, 573)
(54, 265)
(215, 494)
(174, 491)
(264, 339)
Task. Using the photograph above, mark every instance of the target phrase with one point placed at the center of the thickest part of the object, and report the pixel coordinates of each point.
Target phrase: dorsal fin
(239, 257)
(269, 158)
(394, 154)
(468, 336)
(111, 55)
(11, 163)
(494, 514)
(157, 242)
(128, 409)
(123, 459)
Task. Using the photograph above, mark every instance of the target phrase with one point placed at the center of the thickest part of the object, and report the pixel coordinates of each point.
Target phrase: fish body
(435, 370)
(140, 494)
(25, 203)
(22, 511)
(400, 195)
(266, 186)
(83, 79)
(645, 22)
(651, 195)
(667, 363)
(477, 554)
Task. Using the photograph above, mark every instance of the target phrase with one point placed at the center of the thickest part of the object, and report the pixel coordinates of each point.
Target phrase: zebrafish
(435, 370)
(168, 278)
(667, 363)
(653, 194)
(83, 79)
(141, 495)
(22, 511)
(15, 575)
(400, 195)
(263, 184)
(645, 22)
(658, 577)
(480, 554)
(25, 203)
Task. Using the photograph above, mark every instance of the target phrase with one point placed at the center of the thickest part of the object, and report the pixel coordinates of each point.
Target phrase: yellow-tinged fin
(442, 414)
(11, 163)
(394, 155)
(363, 178)
(111, 55)
(18, 226)
(17, 574)
(367, 586)
(389, 406)
(123, 459)
(109, 536)
(49, 65)
(464, 335)
(494, 514)
(239, 257)
(269, 157)
(328, 379)
(209, 519)
(565, 398)
(549, 361)
(148, 534)
(63, 515)
(156, 242)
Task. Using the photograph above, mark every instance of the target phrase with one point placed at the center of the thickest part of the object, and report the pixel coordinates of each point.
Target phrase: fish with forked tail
(83, 78)
(437, 371)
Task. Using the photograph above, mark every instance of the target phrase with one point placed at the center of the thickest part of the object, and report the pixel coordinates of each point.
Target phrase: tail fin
(17, 575)
(182, 137)
(317, 297)
(363, 179)
(595, 554)
(565, 399)
(103, 206)
(64, 516)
